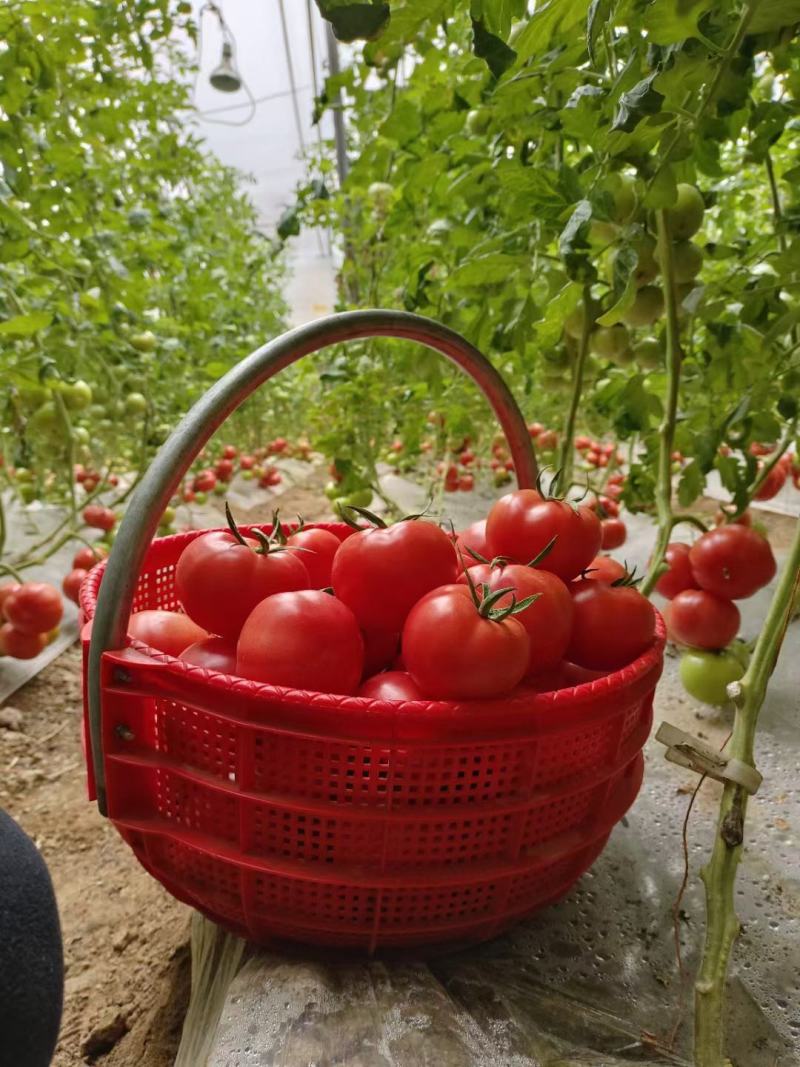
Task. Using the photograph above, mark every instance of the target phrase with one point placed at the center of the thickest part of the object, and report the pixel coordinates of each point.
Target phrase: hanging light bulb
(225, 77)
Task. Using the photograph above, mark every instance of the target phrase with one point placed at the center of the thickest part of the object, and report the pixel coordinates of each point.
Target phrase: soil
(126, 941)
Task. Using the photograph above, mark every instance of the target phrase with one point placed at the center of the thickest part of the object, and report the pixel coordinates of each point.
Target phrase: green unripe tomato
(685, 217)
(648, 353)
(602, 233)
(200, 497)
(687, 260)
(33, 396)
(77, 395)
(27, 493)
(622, 359)
(573, 323)
(647, 267)
(45, 419)
(610, 341)
(23, 476)
(361, 498)
(625, 197)
(332, 490)
(167, 516)
(706, 675)
(646, 308)
(556, 359)
(248, 475)
(135, 404)
(220, 489)
(80, 435)
(478, 121)
(144, 342)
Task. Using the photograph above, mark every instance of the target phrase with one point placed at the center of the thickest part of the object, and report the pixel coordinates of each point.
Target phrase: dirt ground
(125, 940)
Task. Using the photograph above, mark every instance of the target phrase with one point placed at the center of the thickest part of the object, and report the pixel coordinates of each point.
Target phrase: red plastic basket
(342, 820)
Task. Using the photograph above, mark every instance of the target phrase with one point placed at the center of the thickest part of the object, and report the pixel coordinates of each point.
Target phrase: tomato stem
(719, 876)
(566, 457)
(232, 524)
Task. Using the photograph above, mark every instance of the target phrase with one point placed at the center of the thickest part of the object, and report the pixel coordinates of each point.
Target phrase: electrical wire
(228, 37)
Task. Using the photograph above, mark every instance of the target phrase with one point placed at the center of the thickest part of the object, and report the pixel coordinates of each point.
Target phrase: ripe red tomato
(535, 428)
(220, 579)
(548, 620)
(380, 573)
(732, 561)
(319, 548)
(72, 583)
(466, 483)
(33, 607)
(679, 576)
(304, 640)
(547, 440)
(582, 443)
(229, 452)
(167, 631)
(614, 491)
(204, 481)
(612, 625)
(100, 517)
(605, 504)
(466, 458)
(380, 650)
(702, 619)
(246, 463)
(19, 645)
(86, 558)
(277, 446)
(215, 653)
(188, 495)
(758, 449)
(453, 653)
(593, 459)
(6, 591)
(773, 483)
(613, 533)
(472, 537)
(224, 470)
(521, 524)
(391, 685)
(604, 569)
(451, 479)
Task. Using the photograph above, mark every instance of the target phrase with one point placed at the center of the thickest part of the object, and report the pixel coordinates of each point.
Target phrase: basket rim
(524, 701)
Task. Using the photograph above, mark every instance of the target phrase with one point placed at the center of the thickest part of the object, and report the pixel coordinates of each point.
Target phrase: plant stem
(719, 876)
(674, 357)
(566, 456)
(777, 212)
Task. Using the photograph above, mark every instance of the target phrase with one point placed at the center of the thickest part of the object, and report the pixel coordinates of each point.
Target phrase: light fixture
(225, 76)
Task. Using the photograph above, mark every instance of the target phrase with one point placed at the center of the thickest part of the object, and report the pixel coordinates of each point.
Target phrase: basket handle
(153, 493)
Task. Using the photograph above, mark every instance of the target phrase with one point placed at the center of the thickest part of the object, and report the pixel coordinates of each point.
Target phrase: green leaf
(625, 263)
(553, 16)
(596, 18)
(770, 15)
(672, 21)
(499, 57)
(573, 244)
(691, 484)
(25, 325)
(352, 22)
(662, 190)
(404, 123)
(288, 223)
(636, 103)
(485, 270)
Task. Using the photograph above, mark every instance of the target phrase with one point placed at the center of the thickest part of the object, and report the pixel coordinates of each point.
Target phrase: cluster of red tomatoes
(83, 561)
(29, 616)
(92, 479)
(459, 473)
(215, 476)
(702, 582)
(598, 454)
(409, 611)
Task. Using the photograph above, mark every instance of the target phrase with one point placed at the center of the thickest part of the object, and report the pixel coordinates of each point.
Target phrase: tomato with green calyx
(167, 631)
(707, 675)
(318, 549)
(304, 639)
(19, 645)
(648, 305)
(457, 646)
(679, 574)
(613, 533)
(732, 561)
(391, 685)
(223, 574)
(548, 617)
(382, 571)
(610, 341)
(523, 526)
(72, 583)
(135, 404)
(613, 625)
(33, 608)
(603, 569)
(685, 217)
(144, 342)
(648, 353)
(213, 653)
(702, 619)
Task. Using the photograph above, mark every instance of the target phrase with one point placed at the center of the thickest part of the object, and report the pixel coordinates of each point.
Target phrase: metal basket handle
(153, 493)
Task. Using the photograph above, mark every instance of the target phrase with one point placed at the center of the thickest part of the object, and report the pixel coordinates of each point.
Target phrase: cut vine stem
(566, 460)
(719, 876)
